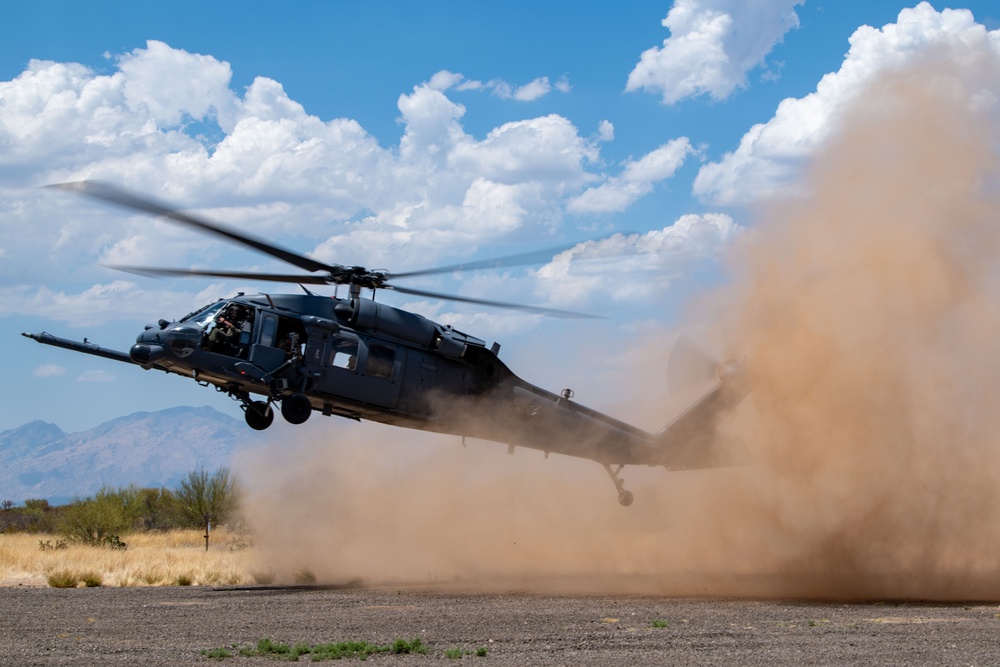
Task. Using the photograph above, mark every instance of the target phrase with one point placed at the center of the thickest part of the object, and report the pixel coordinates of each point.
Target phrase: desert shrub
(92, 579)
(201, 494)
(62, 579)
(157, 509)
(263, 578)
(304, 576)
(37, 516)
(36, 504)
(99, 521)
(46, 545)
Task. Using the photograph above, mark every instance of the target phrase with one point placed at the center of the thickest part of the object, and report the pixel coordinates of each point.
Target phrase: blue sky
(405, 135)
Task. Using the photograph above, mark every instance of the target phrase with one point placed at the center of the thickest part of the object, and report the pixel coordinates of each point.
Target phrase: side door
(358, 368)
(265, 353)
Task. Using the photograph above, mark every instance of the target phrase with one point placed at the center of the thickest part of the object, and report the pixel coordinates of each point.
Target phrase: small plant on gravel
(92, 579)
(262, 578)
(62, 579)
(659, 624)
(304, 576)
(349, 649)
(217, 653)
(413, 646)
(151, 577)
(333, 651)
(457, 653)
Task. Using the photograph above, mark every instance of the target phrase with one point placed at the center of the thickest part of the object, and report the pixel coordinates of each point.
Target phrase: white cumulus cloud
(660, 257)
(711, 47)
(49, 371)
(324, 187)
(95, 376)
(771, 155)
(636, 180)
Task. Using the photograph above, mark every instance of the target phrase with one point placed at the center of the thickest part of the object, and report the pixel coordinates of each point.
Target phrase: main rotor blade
(520, 259)
(552, 312)
(114, 195)
(310, 279)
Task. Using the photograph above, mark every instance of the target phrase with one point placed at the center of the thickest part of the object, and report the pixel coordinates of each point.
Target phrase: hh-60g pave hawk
(357, 358)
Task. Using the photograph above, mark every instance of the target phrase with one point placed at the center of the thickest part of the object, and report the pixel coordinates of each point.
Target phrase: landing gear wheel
(296, 408)
(258, 415)
(625, 498)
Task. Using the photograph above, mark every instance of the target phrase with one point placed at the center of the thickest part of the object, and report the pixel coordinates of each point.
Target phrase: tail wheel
(296, 408)
(258, 415)
(625, 497)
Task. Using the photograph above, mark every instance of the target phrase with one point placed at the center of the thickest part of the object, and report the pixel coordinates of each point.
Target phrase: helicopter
(361, 359)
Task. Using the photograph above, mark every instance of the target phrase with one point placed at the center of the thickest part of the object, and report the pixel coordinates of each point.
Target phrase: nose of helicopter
(153, 344)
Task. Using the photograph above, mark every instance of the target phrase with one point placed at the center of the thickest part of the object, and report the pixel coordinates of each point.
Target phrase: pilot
(223, 336)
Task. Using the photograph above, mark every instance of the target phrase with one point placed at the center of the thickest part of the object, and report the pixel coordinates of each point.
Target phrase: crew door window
(344, 353)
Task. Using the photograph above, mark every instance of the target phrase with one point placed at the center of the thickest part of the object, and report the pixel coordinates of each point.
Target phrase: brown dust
(868, 309)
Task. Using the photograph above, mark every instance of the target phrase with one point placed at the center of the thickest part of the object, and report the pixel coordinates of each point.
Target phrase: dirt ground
(174, 625)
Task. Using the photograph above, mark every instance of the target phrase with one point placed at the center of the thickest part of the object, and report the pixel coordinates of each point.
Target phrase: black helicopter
(357, 358)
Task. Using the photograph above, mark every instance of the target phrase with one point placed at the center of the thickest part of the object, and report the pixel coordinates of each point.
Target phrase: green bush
(99, 521)
(157, 509)
(201, 494)
(37, 516)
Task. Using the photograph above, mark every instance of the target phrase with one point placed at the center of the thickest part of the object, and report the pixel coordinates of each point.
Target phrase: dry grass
(152, 559)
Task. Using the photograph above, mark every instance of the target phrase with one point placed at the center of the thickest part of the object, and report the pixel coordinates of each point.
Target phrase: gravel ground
(170, 626)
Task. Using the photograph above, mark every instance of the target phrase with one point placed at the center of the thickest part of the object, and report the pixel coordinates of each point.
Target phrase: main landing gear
(258, 414)
(625, 498)
(295, 408)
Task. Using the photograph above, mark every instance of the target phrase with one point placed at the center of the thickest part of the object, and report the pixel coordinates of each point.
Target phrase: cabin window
(380, 361)
(291, 336)
(269, 328)
(345, 353)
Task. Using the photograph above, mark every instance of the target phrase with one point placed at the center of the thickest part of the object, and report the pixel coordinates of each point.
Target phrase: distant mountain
(39, 460)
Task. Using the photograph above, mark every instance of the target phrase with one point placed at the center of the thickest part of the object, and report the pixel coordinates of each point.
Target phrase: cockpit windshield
(205, 315)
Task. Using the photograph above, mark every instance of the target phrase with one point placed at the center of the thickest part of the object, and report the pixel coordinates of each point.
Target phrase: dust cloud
(868, 309)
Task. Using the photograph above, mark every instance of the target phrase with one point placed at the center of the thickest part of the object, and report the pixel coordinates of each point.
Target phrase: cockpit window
(205, 315)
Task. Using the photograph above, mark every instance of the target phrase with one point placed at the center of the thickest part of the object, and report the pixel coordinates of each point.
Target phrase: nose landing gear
(625, 497)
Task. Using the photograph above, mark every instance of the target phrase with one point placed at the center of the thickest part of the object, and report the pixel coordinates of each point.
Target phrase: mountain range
(148, 449)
